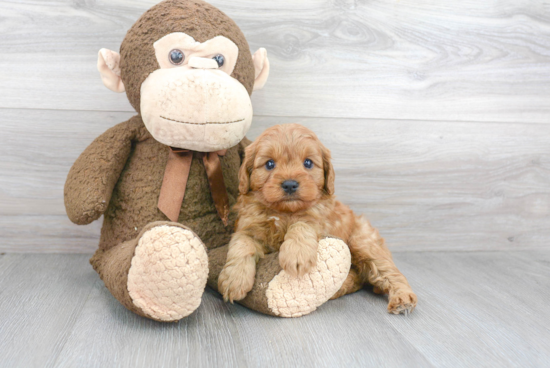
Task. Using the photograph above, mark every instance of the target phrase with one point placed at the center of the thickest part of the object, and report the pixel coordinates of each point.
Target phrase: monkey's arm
(91, 180)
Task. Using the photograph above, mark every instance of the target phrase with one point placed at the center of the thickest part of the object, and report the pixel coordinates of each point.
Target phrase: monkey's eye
(176, 57)
(308, 163)
(220, 59)
(270, 165)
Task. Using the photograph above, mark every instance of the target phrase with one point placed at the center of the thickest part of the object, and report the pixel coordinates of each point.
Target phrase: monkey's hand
(93, 176)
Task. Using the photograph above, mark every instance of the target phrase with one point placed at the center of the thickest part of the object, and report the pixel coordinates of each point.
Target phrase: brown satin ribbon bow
(175, 181)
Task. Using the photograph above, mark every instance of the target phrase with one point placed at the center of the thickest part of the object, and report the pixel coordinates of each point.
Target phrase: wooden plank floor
(476, 309)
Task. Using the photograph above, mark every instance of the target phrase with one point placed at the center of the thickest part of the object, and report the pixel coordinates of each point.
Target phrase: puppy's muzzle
(290, 186)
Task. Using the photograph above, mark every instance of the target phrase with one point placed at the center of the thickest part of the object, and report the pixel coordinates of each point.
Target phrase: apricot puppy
(287, 204)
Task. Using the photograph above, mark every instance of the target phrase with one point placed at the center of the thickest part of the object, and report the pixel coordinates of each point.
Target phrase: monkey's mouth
(205, 123)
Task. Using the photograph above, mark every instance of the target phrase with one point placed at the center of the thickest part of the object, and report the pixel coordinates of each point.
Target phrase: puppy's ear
(329, 171)
(246, 168)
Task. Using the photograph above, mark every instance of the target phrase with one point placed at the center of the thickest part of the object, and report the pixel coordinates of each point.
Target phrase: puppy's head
(287, 168)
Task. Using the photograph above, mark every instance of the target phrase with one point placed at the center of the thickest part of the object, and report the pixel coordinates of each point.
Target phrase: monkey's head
(187, 69)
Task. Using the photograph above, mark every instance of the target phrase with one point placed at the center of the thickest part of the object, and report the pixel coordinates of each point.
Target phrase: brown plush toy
(166, 179)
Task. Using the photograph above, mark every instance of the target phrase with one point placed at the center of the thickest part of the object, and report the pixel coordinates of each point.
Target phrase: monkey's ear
(246, 168)
(108, 64)
(261, 68)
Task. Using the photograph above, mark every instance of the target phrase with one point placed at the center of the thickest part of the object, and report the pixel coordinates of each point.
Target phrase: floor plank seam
(73, 324)
(308, 117)
(409, 342)
(235, 329)
(394, 251)
(504, 250)
(400, 119)
(2, 258)
(17, 263)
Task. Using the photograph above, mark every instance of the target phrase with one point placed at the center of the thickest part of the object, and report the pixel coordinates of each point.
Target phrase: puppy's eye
(270, 165)
(220, 59)
(308, 163)
(176, 57)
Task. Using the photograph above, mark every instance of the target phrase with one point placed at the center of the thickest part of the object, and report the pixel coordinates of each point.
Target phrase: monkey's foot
(289, 296)
(168, 273)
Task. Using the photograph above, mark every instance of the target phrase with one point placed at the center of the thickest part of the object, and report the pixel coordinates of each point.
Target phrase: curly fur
(272, 220)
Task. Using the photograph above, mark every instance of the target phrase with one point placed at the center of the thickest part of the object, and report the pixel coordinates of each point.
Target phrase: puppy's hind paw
(402, 302)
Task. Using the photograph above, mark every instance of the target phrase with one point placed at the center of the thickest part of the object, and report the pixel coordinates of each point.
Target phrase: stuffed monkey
(166, 179)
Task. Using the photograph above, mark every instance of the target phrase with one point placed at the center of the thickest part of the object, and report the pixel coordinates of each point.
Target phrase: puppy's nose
(290, 186)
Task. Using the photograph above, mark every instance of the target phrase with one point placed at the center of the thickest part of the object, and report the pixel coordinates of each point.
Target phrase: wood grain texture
(219, 334)
(40, 299)
(38, 149)
(425, 185)
(106, 334)
(47, 234)
(483, 309)
(476, 309)
(390, 59)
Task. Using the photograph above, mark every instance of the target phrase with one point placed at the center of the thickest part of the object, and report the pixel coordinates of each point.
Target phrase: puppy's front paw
(297, 259)
(402, 302)
(235, 281)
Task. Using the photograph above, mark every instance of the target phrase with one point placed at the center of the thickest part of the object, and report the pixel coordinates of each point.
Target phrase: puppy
(287, 204)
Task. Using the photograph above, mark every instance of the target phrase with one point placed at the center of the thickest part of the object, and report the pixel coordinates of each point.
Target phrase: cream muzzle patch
(195, 104)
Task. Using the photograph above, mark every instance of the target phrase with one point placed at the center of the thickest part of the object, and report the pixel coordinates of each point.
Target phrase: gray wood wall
(437, 112)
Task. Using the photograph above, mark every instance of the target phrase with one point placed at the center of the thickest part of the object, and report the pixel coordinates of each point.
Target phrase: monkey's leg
(277, 293)
(354, 282)
(161, 274)
(374, 263)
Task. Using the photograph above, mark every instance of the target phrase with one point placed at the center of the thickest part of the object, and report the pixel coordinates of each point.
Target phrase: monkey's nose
(290, 186)
(202, 63)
